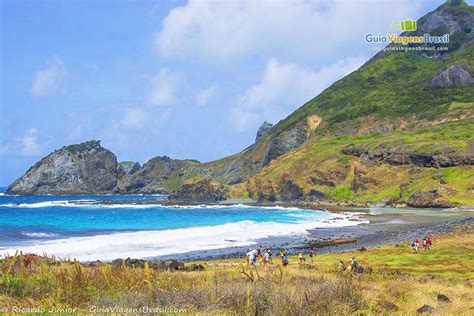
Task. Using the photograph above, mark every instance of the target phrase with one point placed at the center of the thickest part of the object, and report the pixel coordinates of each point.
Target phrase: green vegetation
(229, 286)
(323, 159)
(78, 148)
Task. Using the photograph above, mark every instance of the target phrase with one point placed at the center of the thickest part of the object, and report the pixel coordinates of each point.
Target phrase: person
(429, 242)
(284, 259)
(311, 255)
(414, 246)
(270, 254)
(254, 256)
(423, 243)
(266, 257)
(302, 258)
(354, 264)
(248, 256)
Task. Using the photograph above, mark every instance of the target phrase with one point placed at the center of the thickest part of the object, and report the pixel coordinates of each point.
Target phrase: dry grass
(227, 286)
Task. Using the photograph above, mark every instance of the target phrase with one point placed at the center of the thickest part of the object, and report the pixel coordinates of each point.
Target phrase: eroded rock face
(453, 76)
(291, 138)
(289, 190)
(263, 130)
(85, 168)
(201, 190)
(412, 158)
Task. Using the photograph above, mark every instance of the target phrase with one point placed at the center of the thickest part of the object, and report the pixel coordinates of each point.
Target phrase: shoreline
(366, 235)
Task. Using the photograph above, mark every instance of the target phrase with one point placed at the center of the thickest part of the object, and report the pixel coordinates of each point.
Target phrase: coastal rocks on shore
(85, 168)
(428, 199)
(200, 190)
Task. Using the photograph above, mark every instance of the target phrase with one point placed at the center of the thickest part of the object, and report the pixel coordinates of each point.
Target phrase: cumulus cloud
(222, 31)
(135, 118)
(30, 145)
(204, 96)
(283, 88)
(50, 80)
(164, 87)
(26, 145)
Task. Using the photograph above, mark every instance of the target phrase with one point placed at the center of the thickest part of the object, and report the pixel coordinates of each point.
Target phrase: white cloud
(283, 88)
(26, 145)
(50, 80)
(29, 143)
(135, 118)
(163, 87)
(204, 96)
(222, 31)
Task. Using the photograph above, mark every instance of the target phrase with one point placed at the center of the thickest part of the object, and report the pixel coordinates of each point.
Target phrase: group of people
(266, 256)
(426, 243)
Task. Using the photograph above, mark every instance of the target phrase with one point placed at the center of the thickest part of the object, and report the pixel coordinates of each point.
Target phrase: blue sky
(184, 79)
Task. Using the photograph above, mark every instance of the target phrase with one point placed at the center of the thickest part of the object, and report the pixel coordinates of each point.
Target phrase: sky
(186, 79)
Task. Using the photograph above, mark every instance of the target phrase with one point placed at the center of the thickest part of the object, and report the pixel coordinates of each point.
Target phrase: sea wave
(38, 234)
(147, 244)
(76, 203)
(99, 204)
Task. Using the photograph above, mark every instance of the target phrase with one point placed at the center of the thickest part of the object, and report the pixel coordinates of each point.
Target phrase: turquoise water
(107, 227)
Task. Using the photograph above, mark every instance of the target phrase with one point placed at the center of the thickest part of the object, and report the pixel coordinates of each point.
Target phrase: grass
(229, 286)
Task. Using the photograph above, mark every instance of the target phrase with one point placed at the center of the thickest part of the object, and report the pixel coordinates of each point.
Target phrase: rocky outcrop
(200, 190)
(263, 130)
(150, 178)
(453, 76)
(412, 158)
(85, 168)
(129, 167)
(291, 138)
(289, 190)
(428, 199)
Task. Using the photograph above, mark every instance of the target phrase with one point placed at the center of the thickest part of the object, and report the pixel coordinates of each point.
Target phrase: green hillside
(398, 105)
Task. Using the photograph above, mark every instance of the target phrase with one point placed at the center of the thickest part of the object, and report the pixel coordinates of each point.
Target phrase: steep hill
(76, 169)
(365, 137)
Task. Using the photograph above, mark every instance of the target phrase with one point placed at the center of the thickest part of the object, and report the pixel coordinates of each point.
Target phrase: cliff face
(85, 168)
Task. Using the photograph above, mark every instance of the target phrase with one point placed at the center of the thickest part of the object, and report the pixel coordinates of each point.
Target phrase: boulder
(443, 299)
(425, 309)
(454, 76)
(386, 306)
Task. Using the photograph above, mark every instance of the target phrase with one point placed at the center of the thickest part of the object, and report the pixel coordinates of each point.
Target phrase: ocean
(118, 226)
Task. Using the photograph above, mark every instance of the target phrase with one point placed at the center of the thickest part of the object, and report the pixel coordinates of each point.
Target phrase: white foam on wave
(146, 244)
(98, 204)
(77, 203)
(38, 235)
